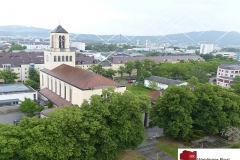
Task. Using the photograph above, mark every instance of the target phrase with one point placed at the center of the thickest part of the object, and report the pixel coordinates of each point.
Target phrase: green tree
(193, 81)
(235, 85)
(173, 112)
(8, 76)
(34, 75)
(129, 67)
(29, 106)
(121, 70)
(3, 51)
(10, 141)
(50, 104)
(200, 73)
(110, 73)
(119, 127)
(231, 106)
(97, 69)
(16, 47)
(208, 112)
(139, 66)
(32, 84)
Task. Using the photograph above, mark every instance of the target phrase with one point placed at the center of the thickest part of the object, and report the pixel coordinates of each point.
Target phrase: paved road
(148, 148)
(9, 117)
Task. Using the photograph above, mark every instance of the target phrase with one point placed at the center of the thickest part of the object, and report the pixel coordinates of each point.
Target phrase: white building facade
(206, 48)
(13, 94)
(78, 45)
(226, 73)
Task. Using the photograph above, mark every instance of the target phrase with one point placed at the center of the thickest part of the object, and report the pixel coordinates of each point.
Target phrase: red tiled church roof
(80, 78)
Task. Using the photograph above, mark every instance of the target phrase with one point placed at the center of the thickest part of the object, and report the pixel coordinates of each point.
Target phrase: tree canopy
(208, 108)
(34, 75)
(8, 76)
(29, 106)
(99, 130)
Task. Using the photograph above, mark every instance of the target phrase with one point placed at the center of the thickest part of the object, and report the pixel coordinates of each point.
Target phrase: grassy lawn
(138, 90)
(130, 155)
(170, 146)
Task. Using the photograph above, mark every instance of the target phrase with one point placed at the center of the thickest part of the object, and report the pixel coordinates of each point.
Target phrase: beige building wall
(69, 92)
(51, 63)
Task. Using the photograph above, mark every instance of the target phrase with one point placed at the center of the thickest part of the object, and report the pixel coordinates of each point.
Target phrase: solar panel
(13, 88)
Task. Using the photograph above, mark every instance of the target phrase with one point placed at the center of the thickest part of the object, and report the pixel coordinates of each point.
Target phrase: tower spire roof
(59, 29)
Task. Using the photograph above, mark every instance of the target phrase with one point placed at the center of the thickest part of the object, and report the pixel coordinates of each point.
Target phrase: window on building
(231, 75)
(65, 92)
(7, 67)
(62, 58)
(59, 89)
(226, 71)
(56, 87)
(51, 85)
(34, 96)
(59, 58)
(31, 65)
(66, 58)
(70, 95)
(70, 58)
(236, 71)
(55, 58)
(232, 71)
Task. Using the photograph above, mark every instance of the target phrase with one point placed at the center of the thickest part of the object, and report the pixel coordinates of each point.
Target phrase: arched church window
(63, 41)
(62, 58)
(66, 58)
(60, 41)
(70, 58)
(59, 59)
(55, 58)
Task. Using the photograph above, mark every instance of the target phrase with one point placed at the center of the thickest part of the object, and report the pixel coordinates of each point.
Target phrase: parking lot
(9, 113)
(9, 117)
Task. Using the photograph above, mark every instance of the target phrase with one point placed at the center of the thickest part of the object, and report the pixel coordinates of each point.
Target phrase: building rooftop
(164, 80)
(119, 60)
(56, 99)
(14, 88)
(59, 29)
(230, 66)
(80, 78)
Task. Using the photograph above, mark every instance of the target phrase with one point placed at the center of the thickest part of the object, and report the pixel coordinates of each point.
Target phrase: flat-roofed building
(13, 94)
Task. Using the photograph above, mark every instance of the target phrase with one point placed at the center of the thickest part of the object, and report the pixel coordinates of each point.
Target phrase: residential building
(13, 94)
(162, 83)
(226, 73)
(206, 48)
(227, 54)
(78, 45)
(20, 63)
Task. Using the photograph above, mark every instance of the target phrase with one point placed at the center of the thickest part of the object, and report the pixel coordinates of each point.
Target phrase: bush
(50, 104)
(236, 145)
(230, 133)
(195, 135)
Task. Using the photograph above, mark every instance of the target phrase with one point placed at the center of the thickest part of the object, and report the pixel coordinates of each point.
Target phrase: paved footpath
(148, 148)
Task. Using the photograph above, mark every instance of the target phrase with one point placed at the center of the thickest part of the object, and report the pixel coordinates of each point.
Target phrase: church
(62, 82)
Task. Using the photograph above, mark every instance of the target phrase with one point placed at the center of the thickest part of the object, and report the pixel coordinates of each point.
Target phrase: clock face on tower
(47, 58)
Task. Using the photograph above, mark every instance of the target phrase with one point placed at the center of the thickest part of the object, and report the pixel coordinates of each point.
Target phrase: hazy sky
(127, 17)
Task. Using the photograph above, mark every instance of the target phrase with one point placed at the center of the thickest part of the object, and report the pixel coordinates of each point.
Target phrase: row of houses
(22, 61)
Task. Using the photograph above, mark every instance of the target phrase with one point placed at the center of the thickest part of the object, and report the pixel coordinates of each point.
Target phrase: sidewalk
(148, 148)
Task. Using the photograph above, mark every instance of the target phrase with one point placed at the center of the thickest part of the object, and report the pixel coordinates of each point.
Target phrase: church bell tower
(59, 52)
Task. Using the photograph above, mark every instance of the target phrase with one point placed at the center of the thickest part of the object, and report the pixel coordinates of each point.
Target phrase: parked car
(16, 121)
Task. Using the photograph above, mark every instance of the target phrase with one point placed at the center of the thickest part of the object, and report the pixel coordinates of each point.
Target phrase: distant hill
(216, 37)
